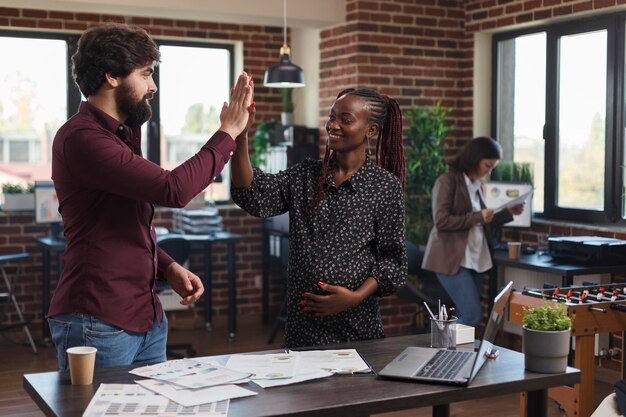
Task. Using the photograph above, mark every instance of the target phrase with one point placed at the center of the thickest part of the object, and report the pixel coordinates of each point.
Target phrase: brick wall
(416, 52)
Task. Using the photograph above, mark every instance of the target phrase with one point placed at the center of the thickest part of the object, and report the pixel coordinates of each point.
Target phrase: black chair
(426, 287)
(179, 249)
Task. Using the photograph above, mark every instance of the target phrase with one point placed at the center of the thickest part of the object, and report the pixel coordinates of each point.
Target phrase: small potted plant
(546, 337)
(18, 197)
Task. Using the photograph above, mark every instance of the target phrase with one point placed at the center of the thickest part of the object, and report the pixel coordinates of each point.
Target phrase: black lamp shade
(284, 74)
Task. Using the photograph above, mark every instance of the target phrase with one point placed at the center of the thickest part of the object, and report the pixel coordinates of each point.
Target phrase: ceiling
(300, 13)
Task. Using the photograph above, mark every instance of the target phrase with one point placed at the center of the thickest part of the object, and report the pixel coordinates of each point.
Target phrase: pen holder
(443, 333)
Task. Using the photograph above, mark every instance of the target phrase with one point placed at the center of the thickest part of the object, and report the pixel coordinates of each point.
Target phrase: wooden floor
(18, 359)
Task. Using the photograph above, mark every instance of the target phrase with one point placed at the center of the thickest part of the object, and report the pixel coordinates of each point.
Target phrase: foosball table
(595, 309)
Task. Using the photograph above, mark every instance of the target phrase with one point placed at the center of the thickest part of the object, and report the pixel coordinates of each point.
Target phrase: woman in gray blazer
(460, 247)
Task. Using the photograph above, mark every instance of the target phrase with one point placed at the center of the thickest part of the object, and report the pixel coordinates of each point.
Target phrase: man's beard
(137, 111)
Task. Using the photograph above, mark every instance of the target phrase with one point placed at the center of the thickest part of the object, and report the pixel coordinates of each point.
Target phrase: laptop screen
(491, 329)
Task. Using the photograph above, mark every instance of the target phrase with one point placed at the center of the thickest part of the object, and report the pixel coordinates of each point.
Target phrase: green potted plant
(546, 337)
(511, 171)
(428, 127)
(18, 197)
(261, 143)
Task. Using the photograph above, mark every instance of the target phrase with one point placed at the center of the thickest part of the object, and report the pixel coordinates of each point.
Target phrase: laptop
(452, 367)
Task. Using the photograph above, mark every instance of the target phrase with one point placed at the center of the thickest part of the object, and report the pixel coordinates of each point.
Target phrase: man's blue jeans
(115, 346)
(464, 288)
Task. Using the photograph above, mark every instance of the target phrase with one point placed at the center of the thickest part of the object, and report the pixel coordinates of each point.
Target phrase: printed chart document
(514, 202)
(338, 361)
(190, 398)
(126, 400)
(190, 373)
(268, 366)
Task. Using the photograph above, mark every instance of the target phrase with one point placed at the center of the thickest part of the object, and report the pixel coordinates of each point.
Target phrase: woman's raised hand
(234, 115)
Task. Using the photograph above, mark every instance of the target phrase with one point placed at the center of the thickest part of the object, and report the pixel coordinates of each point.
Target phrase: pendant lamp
(285, 74)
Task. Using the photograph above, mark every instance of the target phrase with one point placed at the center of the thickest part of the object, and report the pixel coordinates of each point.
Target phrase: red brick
(61, 15)
(599, 4)
(562, 11)
(88, 17)
(543, 14)
(163, 22)
(27, 23)
(185, 24)
(5, 11)
(581, 7)
(39, 14)
(49, 24)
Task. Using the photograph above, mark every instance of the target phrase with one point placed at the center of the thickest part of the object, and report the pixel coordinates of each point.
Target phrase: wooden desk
(51, 244)
(336, 396)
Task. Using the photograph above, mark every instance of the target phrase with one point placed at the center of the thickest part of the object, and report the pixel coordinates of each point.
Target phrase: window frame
(613, 23)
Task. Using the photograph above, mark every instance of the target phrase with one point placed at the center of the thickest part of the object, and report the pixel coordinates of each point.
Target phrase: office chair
(426, 287)
(179, 249)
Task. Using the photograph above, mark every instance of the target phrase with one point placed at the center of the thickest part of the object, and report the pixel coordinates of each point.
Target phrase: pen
(430, 311)
(440, 325)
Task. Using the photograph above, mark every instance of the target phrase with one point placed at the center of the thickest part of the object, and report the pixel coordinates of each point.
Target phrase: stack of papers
(190, 382)
(204, 388)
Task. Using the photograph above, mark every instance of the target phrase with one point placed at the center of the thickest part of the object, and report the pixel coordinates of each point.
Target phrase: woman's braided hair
(385, 112)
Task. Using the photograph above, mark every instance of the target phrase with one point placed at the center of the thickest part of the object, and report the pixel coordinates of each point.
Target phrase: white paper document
(268, 366)
(126, 400)
(190, 398)
(340, 361)
(514, 202)
(190, 373)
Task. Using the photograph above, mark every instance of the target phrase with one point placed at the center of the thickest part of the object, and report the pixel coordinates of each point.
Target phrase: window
(34, 103)
(190, 99)
(555, 106)
(521, 104)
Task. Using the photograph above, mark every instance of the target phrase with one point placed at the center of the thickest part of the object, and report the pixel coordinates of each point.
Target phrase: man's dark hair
(476, 149)
(114, 48)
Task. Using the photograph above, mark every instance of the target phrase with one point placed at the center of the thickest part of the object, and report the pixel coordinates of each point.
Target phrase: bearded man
(106, 295)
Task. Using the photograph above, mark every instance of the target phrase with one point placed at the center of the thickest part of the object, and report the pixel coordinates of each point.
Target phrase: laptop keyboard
(445, 364)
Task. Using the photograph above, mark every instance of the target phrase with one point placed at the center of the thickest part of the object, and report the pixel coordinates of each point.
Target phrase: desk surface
(334, 396)
(545, 263)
